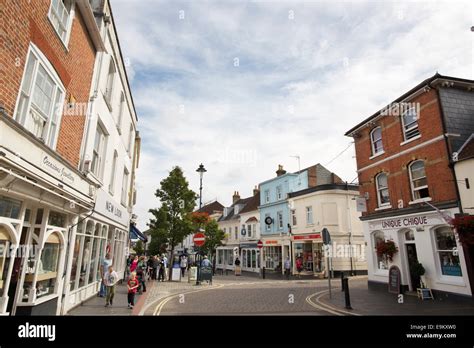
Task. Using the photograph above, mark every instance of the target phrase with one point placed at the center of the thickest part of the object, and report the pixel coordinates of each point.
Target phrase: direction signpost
(327, 242)
(262, 269)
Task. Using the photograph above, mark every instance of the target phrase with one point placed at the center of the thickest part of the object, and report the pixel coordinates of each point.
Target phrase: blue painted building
(274, 204)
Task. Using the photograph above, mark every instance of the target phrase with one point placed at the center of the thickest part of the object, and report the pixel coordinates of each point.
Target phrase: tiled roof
(467, 150)
(230, 213)
(211, 208)
(252, 204)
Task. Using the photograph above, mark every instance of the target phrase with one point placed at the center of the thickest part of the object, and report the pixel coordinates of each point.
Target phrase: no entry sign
(199, 239)
(260, 244)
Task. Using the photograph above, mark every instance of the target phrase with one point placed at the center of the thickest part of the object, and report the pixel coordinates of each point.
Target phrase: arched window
(382, 262)
(383, 196)
(418, 182)
(446, 249)
(376, 140)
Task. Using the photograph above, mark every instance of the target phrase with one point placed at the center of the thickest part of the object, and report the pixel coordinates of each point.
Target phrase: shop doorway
(412, 259)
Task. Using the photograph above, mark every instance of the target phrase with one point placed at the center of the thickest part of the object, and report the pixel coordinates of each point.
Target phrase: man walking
(110, 279)
(183, 264)
(104, 266)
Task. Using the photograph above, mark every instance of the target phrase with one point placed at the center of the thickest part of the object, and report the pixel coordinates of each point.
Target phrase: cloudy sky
(243, 86)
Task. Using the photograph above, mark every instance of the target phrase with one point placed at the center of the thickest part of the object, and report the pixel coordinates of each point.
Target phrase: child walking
(132, 289)
(110, 279)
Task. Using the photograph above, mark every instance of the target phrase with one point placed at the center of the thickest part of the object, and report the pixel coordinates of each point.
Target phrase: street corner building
(69, 148)
(411, 176)
(295, 208)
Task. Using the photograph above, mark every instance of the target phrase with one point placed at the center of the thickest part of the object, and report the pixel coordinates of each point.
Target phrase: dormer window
(376, 141)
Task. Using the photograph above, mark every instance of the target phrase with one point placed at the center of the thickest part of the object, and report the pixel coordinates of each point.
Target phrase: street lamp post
(201, 170)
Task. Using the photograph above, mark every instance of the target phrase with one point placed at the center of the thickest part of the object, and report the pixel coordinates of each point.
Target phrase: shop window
(446, 249)
(60, 15)
(383, 195)
(418, 181)
(26, 219)
(9, 208)
(410, 124)
(272, 256)
(28, 291)
(4, 257)
(40, 100)
(304, 251)
(376, 140)
(48, 266)
(382, 262)
(75, 262)
(57, 219)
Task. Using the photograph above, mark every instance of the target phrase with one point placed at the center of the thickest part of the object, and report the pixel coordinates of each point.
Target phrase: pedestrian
(132, 287)
(141, 274)
(238, 270)
(287, 268)
(134, 264)
(205, 262)
(299, 266)
(183, 264)
(165, 262)
(104, 266)
(161, 271)
(149, 264)
(110, 279)
(156, 264)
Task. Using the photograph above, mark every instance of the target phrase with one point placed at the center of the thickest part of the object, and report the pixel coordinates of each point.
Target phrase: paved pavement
(365, 301)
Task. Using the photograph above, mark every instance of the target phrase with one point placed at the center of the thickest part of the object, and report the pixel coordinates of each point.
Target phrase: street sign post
(199, 239)
(260, 244)
(327, 242)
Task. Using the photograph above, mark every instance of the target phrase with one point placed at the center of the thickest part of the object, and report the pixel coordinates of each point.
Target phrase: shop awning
(136, 234)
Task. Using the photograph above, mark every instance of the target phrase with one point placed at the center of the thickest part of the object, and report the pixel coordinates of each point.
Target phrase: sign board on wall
(361, 204)
(108, 207)
(407, 222)
(308, 237)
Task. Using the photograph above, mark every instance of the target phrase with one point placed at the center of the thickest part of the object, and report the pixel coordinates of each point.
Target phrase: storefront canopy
(136, 234)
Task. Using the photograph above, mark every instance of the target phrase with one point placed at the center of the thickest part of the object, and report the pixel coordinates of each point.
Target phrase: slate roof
(211, 208)
(467, 150)
(230, 213)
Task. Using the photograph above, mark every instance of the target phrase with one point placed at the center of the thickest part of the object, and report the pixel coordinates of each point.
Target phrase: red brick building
(405, 169)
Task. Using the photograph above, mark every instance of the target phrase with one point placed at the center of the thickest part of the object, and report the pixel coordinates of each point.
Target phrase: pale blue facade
(274, 203)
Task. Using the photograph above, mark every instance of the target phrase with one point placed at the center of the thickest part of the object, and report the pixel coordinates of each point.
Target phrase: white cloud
(300, 84)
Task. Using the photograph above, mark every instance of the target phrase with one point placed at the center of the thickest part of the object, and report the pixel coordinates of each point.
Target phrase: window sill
(427, 199)
(383, 207)
(377, 155)
(410, 140)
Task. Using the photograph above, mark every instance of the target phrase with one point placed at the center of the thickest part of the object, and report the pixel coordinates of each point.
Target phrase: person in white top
(183, 264)
(110, 279)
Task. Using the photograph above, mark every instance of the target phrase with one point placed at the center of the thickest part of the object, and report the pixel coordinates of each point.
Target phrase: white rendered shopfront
(309, 249)
(275, 251)
(424, 237)
(226, 256)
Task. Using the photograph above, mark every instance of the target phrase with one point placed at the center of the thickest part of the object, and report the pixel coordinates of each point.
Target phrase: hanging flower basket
(387, 248)
(464, 226)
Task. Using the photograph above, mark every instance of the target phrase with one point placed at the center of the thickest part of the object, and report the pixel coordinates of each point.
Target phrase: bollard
(346, 290)
(342, 281)
(263, 272)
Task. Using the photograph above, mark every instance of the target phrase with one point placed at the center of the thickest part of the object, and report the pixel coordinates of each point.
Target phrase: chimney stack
(280, 170)
(256, 191)
(235, 197)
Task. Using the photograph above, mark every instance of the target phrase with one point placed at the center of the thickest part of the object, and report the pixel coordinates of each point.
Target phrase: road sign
(260, 244)
(199, 239)
(326, 236)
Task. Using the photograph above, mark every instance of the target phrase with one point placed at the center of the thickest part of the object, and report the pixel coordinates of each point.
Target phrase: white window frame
(267, 227)
(309, 215)
(279, 194)
(280, 220)
(120, 113)
(267, 196)
(411, 128)
(110, 81)
(124, 193)
(112, 174)
(249, 230)
(26, 95)
(294, 220)
(438, 260)
(413, 189)
(380, 189)
(98, 170)
(373, 141)
(67, 28)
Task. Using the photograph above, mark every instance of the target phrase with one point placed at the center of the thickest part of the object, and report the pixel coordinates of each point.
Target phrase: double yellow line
(325, 307)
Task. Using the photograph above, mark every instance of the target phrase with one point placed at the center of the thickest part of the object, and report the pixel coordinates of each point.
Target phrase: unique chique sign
(405, 222)
(199, 239)
(394, 280)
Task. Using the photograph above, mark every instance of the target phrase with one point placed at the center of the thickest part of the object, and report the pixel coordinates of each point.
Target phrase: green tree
(139, 248)
(172, 221)
(214, 236)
